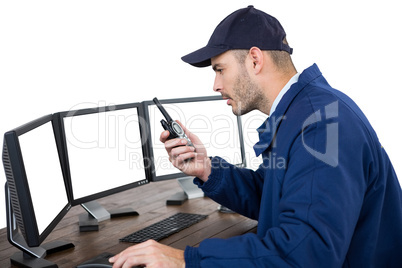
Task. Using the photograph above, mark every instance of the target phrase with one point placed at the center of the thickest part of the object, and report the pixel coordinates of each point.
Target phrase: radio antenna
(163, 111)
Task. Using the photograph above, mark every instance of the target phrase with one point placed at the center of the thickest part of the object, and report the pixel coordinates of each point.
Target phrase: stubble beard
(249, 96)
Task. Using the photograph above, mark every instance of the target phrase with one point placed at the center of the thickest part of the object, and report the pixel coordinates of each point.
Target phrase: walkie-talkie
(174, 128)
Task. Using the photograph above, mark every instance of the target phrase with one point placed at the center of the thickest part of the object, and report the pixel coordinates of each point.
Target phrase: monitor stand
(29, 257)
(97, 213)
(190, 191)
(177, 199)
(25, 260)
(96, 210)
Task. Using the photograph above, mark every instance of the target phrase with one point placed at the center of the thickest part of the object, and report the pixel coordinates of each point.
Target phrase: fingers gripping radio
(175, 130)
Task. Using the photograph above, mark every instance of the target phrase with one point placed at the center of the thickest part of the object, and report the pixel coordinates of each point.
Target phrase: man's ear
(257, 58)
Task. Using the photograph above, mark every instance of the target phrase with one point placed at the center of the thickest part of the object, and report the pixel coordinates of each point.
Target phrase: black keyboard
(164, 228)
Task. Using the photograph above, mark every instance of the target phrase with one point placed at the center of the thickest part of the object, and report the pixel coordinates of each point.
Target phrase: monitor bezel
(149, 147)
(17, 181)
(65, 158)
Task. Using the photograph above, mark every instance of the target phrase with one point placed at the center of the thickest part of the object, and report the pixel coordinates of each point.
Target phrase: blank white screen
(104, 150)
(212, 121)
(44, 175)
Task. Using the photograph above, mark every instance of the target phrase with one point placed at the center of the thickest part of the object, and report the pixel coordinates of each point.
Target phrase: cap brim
(202, 57)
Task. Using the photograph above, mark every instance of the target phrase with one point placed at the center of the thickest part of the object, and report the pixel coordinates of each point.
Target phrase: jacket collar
(267, 131)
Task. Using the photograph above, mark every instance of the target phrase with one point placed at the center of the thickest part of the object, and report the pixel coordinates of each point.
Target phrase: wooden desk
(150, 202)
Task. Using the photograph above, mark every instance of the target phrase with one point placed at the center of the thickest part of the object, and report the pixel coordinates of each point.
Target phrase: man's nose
(217, 84)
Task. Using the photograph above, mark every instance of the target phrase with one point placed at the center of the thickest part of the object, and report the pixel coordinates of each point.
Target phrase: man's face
(233, 81)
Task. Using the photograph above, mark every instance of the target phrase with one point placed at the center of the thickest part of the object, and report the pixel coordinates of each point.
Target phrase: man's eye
(219, 71)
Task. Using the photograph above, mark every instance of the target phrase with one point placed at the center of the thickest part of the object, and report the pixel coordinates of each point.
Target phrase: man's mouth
(229, 100)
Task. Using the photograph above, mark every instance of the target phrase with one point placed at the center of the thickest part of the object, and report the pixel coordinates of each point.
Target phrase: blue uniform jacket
(326, 194)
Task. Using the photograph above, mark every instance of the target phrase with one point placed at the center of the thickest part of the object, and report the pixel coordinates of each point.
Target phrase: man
(334, 201)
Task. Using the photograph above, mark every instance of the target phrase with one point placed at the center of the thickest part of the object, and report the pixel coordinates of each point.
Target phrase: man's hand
(192, 161)
(149, 254)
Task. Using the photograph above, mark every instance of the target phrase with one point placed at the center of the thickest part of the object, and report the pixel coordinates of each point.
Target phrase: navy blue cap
(243, 29)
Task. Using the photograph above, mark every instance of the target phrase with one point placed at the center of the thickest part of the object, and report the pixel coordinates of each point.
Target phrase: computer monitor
(207, 117)
(103, 152)
(36, 197)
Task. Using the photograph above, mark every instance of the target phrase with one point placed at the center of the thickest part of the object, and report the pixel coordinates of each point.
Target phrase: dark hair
(240, 55)
(281, 59)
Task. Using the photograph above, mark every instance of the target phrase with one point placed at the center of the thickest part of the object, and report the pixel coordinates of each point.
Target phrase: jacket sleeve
(236, 188)
(317, 213)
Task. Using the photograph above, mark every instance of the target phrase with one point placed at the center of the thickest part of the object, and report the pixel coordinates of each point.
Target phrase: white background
(57, 55)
